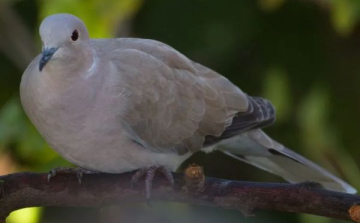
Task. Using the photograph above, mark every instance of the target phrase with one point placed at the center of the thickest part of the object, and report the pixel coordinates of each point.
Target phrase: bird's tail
(258, 149)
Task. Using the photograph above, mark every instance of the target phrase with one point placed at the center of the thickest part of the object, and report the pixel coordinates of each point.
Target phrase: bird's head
(64, 36)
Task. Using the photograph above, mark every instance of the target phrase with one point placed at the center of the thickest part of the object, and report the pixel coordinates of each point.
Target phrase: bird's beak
(47, 53)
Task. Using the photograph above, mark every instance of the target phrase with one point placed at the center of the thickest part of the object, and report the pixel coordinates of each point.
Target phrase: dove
(130, 104)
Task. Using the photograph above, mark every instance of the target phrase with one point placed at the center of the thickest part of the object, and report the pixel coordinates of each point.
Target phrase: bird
(129, 104)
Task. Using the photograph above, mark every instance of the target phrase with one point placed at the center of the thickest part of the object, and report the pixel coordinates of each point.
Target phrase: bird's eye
(75, 35)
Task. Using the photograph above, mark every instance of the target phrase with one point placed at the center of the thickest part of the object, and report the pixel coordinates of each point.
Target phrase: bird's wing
(258, 149)
(174, 103)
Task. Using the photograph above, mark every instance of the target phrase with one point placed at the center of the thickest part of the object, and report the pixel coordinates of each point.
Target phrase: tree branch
(32, 189)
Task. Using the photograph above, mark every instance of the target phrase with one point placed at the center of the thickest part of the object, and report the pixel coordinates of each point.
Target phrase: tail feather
(258, 149)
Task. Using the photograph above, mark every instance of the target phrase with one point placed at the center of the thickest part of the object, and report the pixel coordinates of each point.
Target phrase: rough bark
(32, 189)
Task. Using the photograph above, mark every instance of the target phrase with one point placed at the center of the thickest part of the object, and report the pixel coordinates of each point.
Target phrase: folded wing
(174, 104)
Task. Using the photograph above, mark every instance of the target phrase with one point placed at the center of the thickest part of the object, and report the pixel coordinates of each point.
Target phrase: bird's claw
(149, 176)
(78, 171)
(51, 174)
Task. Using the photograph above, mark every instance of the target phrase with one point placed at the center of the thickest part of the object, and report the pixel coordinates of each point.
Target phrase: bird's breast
(70, 117)
(83, 122)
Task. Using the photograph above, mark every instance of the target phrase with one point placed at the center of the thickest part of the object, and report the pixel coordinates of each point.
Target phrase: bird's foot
(149, 176)
(77, 170)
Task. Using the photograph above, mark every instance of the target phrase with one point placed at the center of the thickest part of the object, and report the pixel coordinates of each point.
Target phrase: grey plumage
(116, 105)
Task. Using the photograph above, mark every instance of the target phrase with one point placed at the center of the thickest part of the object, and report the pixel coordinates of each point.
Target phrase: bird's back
(175, 103)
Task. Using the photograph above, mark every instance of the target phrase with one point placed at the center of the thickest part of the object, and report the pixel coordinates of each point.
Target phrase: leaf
(345, 15)
(25, 215)
(277, 91)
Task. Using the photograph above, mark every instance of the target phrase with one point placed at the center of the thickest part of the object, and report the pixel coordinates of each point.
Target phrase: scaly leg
(150, 174)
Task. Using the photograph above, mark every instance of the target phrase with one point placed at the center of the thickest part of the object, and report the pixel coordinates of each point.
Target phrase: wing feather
(174, 104)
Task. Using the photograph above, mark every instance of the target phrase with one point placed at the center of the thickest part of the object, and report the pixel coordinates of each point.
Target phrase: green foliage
(276, 88)
(26, 215)
(271, 5)
(11, 123)
(321, 139)
(345, 15)
(100, 16)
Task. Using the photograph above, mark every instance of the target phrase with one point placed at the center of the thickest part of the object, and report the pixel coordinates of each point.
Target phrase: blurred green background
(303, 55)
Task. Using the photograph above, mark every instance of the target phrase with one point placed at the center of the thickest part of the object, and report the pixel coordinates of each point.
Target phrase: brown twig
(32, 189)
